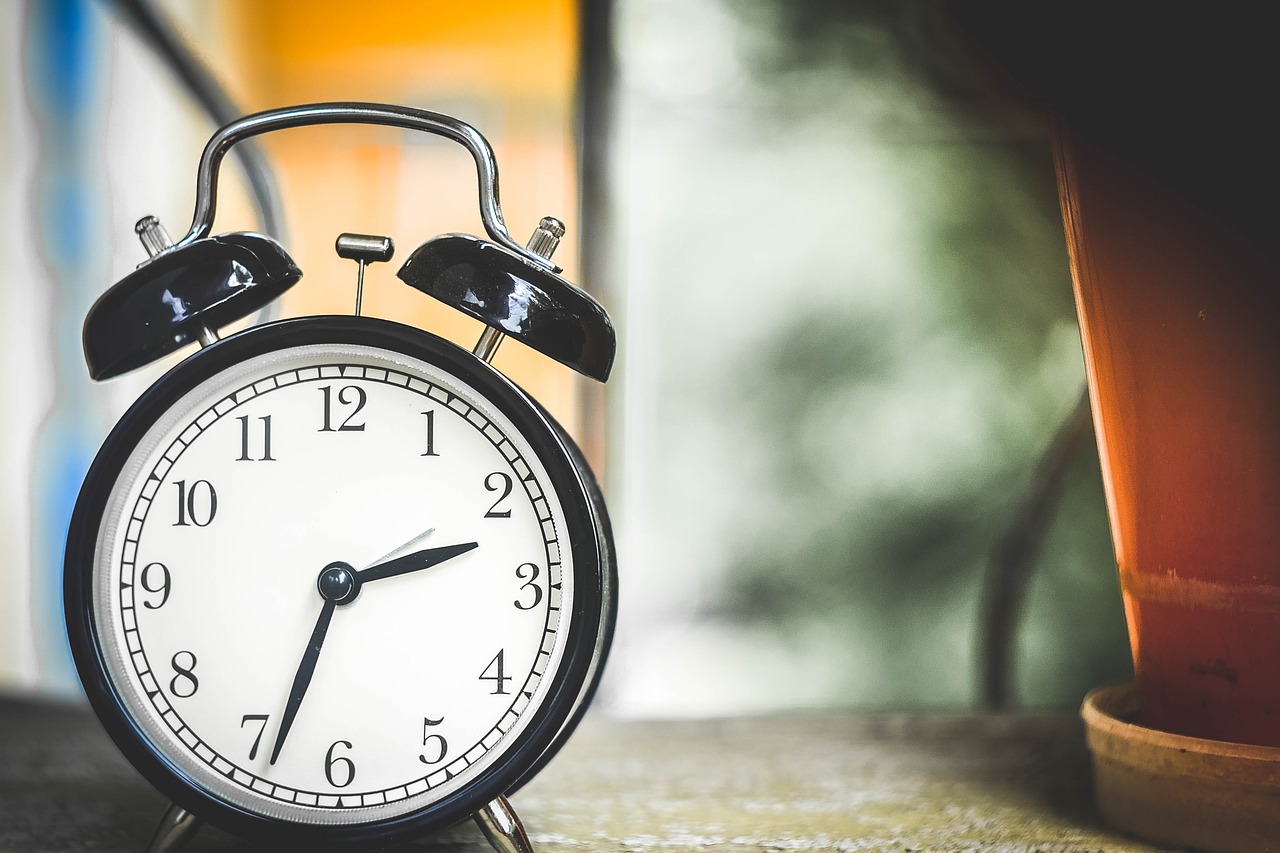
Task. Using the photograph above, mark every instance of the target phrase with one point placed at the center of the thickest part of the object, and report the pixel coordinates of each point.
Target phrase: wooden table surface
(830, 782)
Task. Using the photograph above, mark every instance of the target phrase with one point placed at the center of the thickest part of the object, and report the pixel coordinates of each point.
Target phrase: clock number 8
(184, 683)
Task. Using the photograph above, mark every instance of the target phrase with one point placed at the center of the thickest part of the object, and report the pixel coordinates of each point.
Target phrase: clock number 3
(438, 744)
(351, 395)
(530, 579)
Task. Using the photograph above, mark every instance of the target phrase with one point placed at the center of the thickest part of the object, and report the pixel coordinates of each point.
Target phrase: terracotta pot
(1179, 790)
(1180, 321)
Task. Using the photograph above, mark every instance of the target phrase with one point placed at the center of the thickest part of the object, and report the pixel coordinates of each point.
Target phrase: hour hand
(417, 561)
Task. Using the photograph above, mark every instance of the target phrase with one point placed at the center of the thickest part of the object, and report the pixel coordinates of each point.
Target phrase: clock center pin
(338, 583)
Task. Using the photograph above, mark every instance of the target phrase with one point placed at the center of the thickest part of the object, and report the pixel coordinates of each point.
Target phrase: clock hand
(338, 584)
(303, 677)
(414, 562)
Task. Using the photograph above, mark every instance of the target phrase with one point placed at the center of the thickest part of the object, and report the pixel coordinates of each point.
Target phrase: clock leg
(176, 828)
(500, 824)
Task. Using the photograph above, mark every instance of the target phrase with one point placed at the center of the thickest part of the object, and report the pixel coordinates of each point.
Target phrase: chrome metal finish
(546, 237)
(177, 827)
(356, 113)
(368, 248)
(155, 239)
(487, 347)
(502, 827)
(363, 249)
(207, 336)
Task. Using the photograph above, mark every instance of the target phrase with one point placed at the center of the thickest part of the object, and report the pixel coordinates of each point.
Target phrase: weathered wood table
(846, 782)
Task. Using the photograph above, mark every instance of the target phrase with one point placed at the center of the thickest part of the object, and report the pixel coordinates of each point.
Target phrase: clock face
(332, 583)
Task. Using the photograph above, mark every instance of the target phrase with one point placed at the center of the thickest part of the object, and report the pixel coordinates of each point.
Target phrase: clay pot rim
(1112, 732)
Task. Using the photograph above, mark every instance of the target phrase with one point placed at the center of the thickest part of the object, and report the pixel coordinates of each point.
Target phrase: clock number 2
(331, 761)
(439, 744)
(357, 397)
(504, 487)
(197, 505)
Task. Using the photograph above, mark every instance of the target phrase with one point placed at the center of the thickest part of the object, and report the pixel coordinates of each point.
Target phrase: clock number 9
(162, 588)
(530, 579)
(505, 488)
(442, 745)
(331, 761)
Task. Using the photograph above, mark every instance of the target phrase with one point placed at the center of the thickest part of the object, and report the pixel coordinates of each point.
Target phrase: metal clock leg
(500, 824)
(176, 828)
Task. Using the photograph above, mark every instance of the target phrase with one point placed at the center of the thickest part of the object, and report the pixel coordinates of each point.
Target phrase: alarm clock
(334, 580)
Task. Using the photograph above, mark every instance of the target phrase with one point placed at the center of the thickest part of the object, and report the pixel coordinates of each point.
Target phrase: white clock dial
(216, 534)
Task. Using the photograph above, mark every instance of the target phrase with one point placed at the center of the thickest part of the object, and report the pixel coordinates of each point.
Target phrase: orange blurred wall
(508, 67)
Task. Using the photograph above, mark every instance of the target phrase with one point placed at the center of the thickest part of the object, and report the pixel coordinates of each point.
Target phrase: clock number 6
(504, 485)
(331, 761)
(442, 745)
(530, 579)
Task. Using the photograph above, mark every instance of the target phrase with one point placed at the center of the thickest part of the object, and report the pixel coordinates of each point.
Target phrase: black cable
(1015, 553)
(211, 97)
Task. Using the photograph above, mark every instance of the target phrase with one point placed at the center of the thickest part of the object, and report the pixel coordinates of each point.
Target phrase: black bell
(508, 293)
(172, 299)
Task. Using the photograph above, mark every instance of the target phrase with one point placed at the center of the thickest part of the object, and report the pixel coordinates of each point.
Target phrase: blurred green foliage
(867, 338)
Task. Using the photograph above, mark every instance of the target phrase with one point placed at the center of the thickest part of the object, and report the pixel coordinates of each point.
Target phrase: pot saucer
(1178, 790)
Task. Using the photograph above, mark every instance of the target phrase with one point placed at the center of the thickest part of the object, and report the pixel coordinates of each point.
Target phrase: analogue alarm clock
(334, 580)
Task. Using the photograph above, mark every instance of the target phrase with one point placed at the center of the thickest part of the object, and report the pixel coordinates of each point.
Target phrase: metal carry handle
(354, 112)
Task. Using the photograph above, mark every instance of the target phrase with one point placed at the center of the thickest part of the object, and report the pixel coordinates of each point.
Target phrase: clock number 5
(441, 746)
(351, 395)
(331, 761)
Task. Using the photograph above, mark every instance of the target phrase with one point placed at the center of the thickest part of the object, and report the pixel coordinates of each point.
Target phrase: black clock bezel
(590, 624)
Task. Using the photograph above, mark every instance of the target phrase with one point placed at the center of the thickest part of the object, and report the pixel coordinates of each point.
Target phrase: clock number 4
(438, 744)
(350, 395)
(499, 676)
(196, 505)
(245, 456)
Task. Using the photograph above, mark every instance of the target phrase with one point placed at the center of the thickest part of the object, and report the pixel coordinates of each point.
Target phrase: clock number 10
(197, 505)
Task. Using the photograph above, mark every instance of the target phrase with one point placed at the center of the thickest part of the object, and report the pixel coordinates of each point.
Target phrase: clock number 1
(197, 505)
(431, 434)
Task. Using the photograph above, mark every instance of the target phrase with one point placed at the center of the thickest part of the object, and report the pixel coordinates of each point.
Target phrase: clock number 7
(257, 718)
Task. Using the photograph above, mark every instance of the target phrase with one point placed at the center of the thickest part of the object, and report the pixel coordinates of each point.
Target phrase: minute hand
(417, 561)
